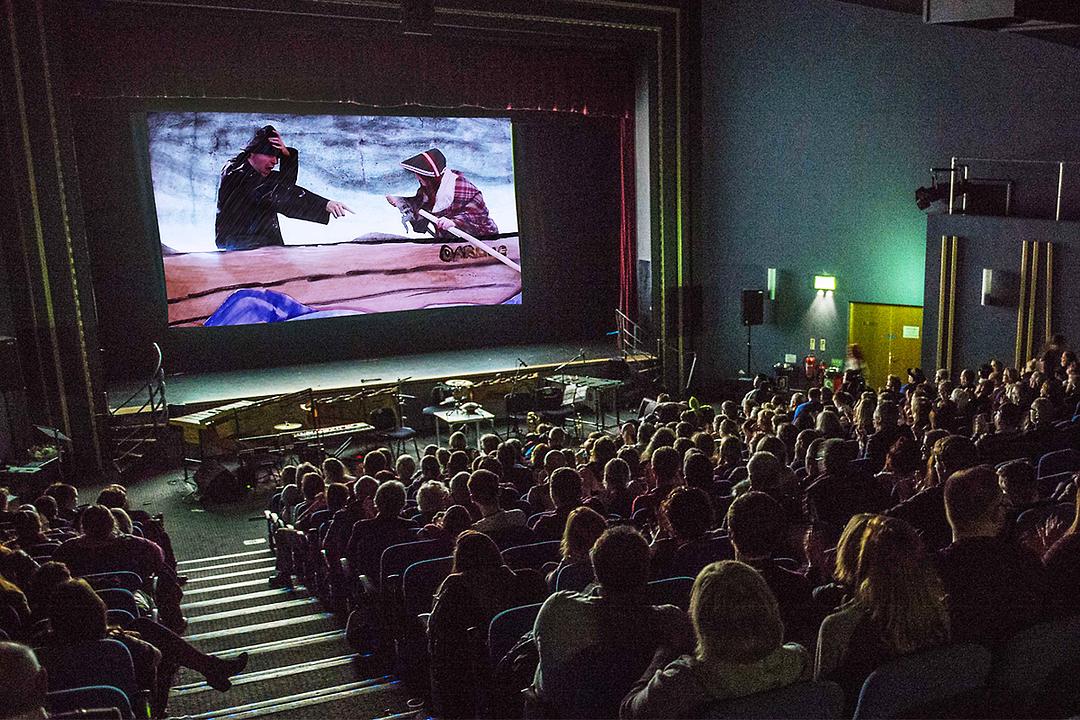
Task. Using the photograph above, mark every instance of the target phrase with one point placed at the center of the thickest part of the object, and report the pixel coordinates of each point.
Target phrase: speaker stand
(749, 370)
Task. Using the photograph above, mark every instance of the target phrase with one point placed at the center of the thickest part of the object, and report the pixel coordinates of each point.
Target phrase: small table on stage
(455, 416)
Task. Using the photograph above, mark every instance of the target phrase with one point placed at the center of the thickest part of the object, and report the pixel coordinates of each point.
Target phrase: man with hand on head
(251, 194)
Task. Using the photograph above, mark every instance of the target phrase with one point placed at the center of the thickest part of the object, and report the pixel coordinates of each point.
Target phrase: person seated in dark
(479, 586)
(514, 472)
(902, 469)
(23, 683)
(153, 526)
(289, 541)
(740, 649)
(1006, 442)
(993, 587)
(697, 470)
(594, 647)
(370, 537)
(1021, 488)
(251, 194)
(898, 608)
(684, 544)
(843, 491)
(925, 510)
(77, 615)
(343, 520)
(16, 566)
(584, 527)
(665, 463)
(887, 430)
(47, 509)
(101, 549)
(1062, 563)
(431, 499)
(28, 530)
(565, 485)
(494, 519)
(756, 525)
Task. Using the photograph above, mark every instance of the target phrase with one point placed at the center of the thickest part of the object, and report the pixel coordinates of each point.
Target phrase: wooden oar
(472, 241)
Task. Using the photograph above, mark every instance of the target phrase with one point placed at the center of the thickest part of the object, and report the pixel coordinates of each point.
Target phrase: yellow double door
(890, 337)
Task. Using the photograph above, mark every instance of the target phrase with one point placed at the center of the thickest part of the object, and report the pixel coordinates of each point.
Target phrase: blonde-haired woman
(740, 649)
(898, 607)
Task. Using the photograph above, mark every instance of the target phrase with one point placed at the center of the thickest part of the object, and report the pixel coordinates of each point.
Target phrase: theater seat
(533, 555)
(507, 627)
(95, 701)
(811, 699)
(102, 662)
(671, 591)
(949, 681)
(1037, 672)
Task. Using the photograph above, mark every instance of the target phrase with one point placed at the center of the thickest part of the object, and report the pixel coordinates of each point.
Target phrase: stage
(186, 392)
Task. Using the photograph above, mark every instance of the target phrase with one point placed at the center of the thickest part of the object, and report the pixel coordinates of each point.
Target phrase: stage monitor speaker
(217, 483)
(753, 307)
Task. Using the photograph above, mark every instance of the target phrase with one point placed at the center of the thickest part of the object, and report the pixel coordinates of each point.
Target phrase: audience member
(740, 649)
(566, 492)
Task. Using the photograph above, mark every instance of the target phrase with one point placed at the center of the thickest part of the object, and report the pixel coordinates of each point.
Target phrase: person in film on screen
(251, 194)
(446, 194)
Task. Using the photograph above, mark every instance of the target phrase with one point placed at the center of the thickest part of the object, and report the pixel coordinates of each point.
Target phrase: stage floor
(190, 389)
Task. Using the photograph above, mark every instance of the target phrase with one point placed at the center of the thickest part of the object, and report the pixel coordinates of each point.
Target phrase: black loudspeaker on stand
(753, 313)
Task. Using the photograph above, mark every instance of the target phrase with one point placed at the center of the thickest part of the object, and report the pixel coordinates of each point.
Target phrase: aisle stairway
(299, 663)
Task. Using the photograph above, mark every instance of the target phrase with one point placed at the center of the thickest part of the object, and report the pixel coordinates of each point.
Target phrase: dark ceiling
(1061, 35)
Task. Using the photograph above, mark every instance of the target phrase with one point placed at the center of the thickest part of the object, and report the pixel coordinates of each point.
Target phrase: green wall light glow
(825, 282)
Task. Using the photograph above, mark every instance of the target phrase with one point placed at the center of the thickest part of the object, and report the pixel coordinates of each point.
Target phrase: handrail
(155, 401)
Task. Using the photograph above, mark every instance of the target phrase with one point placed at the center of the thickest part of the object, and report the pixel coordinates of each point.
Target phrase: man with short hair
(370, 537)
(484, 491)
(23, 683)
(993, 588)
(594, 647)
(887, 430)
(565, 486)
(756, 524)
(665, 465)
(1006, 442)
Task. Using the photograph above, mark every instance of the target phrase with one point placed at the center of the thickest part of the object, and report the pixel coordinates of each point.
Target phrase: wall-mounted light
(987, 286)
(825, 285)
(771, 283)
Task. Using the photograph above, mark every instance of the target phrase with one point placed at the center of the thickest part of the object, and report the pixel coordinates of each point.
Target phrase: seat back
(120, 579)
(671, 591)
(396, 558)
(420, 581)
(575, 577)
(693, 556)
(1036, 673)
(533, 555)
(119, 599)
(512, 536)
(92, 698)
(948, 681)
(507, 627)
(101, 662)
(811, 699)
(1059, 461)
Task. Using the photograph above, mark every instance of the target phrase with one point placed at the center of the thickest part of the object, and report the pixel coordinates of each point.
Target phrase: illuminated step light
(825, 283)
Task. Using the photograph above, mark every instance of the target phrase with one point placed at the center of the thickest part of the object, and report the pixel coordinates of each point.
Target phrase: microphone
(522, 363)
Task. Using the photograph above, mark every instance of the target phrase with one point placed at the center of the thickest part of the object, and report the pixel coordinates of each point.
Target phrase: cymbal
(459, 383)
(288, 426)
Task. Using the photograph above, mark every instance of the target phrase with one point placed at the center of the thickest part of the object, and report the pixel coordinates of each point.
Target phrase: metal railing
(154, 411)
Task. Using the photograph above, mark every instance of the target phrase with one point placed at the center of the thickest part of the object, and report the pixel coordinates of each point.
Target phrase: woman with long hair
(739, 649)
(479, 586)
(898, 607)
(583, 527)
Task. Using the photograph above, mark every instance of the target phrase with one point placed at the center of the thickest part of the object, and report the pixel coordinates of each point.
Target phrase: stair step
(254, 598)
(215, 641)
(276, 653)
(266, 572)
(226, 590)
(301, 604)
(229, 565)
(271, 673)
(217, 558)
(266, 698)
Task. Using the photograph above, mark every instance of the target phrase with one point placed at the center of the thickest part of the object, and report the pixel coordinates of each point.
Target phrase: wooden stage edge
(191, 392)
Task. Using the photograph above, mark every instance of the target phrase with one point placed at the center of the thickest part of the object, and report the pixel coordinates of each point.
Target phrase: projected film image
(274, 218)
